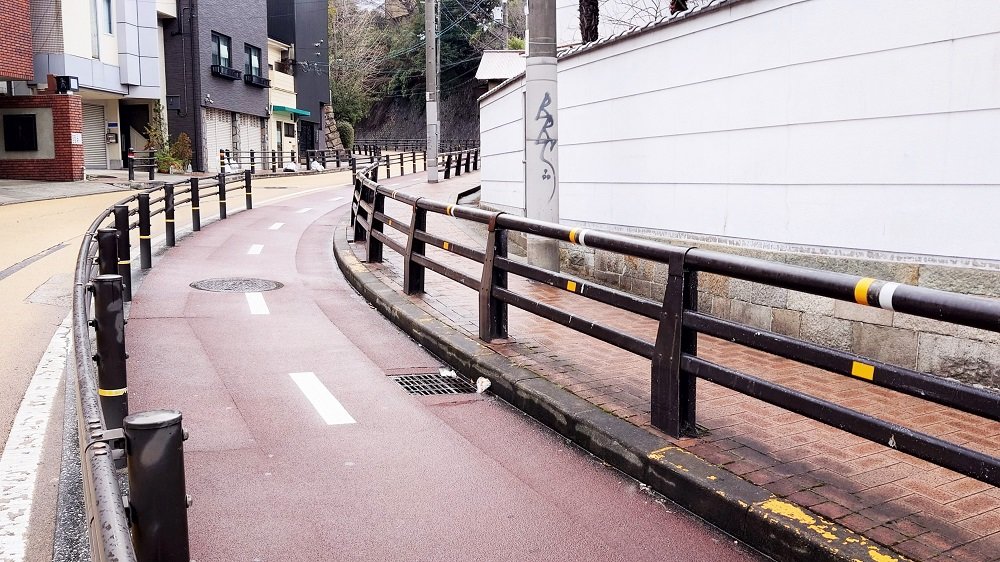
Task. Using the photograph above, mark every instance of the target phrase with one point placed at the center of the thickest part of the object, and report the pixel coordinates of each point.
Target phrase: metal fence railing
(109, 436)
(282, 161)
(367, 146)
(675, 362)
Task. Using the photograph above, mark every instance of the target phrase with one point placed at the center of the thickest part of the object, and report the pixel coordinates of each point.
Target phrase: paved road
(303, 447)
(39, 241)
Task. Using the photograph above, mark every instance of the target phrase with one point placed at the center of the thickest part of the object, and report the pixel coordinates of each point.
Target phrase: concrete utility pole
(433, 126)
(541, 169)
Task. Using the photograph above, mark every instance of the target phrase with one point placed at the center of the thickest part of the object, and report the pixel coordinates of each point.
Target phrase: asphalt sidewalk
(827, 481)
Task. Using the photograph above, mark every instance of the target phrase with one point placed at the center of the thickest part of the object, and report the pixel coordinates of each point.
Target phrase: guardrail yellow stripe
(861, 290)
(112, 391)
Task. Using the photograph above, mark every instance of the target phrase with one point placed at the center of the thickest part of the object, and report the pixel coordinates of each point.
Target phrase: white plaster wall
(839, 123)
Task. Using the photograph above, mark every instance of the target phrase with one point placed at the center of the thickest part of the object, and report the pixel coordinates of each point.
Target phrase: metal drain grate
(236, 285)
(431, 384)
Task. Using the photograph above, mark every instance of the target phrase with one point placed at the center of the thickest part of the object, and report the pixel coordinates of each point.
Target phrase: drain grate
(431, 384)
(236, 285)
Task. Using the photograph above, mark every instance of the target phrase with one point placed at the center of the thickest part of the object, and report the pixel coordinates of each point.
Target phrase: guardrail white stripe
(255, 249)
(257, 304)
(328, 407)
(23, 450)
(276, 226)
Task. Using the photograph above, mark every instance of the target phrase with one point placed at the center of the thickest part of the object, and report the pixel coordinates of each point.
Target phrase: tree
(589, 18)
(357, 46)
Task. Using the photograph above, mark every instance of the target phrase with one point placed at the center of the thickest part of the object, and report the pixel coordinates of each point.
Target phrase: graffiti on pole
(545, 140)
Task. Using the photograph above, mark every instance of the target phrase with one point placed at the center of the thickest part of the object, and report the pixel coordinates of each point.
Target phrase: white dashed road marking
(255, 249)
(257, 304)
(276, 226)
(331, 410)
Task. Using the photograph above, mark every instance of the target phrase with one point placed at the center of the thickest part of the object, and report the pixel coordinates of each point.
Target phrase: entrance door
(95, 149)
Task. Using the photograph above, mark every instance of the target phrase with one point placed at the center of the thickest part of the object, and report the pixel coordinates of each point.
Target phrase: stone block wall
(965, 354)
(65, 161)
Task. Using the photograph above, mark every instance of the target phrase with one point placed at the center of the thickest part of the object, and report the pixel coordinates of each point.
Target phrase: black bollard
(222, 196)
(195, 206)
(124, 249)
(168, 214)
(107, 251)
(145, 242)
(109, 327)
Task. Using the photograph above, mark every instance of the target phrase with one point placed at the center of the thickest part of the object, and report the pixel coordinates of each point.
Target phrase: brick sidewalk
(920, 510)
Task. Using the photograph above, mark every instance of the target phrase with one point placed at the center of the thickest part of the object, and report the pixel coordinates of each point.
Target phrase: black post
(291, 154)
(168, 213)
(336, 154)
(152, 166)
(388, 172)
(425, 160)
(413, 156)
(109, 327)
(493, 311)
(375, 173)
(475, 160)
(468, 156)
(158, 502)
(374, 245)
(322, 155)
(672, 406)
(131, 166)
(229, 159)
(249, 191)
(447, 167)
(195, 206)
(253, 162)
(358, 211)
(124, 249)
(413, 273)
(274, 162)
(107, 251)
(401, 169)
(458, 164)
(354, 167)
(222, 195)
(222, 161)
(145, 244)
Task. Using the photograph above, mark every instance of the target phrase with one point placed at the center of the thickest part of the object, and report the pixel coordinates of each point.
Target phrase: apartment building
(302, 24)
(284, 114)
(217, 77)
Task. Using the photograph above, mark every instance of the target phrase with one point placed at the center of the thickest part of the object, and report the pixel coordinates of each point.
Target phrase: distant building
(216, 77)
(303, 25)
(281, 96)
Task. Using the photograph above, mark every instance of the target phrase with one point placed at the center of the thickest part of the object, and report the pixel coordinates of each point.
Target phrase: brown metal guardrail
(151, 522)
(409, 145)
(675, 363)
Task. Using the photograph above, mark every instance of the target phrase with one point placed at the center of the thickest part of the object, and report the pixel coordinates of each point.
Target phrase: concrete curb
(746, 511)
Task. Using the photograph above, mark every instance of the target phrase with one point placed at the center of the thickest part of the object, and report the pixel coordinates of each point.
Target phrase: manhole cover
(431, 384)
(236, 285)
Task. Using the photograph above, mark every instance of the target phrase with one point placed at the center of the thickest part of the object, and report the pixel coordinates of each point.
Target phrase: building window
(109, 24)
(290, 130)
(19, 133)
(252, 65)
(220, 50)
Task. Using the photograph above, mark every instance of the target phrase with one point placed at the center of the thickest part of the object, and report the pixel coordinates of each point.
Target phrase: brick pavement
(920, 510)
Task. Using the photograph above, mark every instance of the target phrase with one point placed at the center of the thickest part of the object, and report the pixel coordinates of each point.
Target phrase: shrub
(515, 43)
(346, 132)
(181, 150)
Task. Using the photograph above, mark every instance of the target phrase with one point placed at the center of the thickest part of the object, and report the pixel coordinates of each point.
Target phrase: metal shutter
(250, 138)
(95, 149)
(218, 135)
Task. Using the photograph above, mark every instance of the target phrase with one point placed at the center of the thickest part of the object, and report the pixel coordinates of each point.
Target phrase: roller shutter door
(250, 138)
(95, 149)
(218, 135)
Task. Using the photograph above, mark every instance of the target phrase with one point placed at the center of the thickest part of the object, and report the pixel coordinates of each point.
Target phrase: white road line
(332, 412)
(276, 226)
(257, 304)
(23, 451)
(305, 210)
(336, 199)
(255, 249)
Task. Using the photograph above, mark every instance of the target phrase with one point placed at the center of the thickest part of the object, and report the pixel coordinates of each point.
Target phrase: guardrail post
(107, 251)
(336, 155)
(447, 167)
(195, 206)
(413, 156)
(402, 170)
(493, 311)
(358, 211)
(248, 189)
(413, 273)
(253, 162)
(374, 245)
(154, 448)
(672, 407)
(168, 214)
(458, 164)
(124, 249)
(475, 160)
(374, 171)
(222, 195)
(109, 327)
(152, 166)
(274, 162)
(468, 156)
(145, 244)
(388, 171)
(131, 165)
(425, 160)
(322, 155)
(291, 154)
(222, 161)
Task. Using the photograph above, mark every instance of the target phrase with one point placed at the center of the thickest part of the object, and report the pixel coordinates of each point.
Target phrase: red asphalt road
(416, 478)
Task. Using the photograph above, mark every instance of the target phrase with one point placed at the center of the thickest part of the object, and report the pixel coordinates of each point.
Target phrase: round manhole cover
(236, 285)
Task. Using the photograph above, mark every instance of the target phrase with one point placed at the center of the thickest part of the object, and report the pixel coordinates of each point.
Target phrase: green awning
(292, 110)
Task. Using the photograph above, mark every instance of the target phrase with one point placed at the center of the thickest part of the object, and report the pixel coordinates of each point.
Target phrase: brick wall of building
(15, 55)
(67, 118)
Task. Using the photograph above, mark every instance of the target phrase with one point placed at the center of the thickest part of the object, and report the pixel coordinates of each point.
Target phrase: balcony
(226, 72)
(258, 81)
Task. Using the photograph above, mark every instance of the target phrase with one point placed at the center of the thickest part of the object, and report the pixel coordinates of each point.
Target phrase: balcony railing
(226, 72)
(254, 80)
